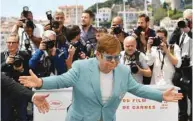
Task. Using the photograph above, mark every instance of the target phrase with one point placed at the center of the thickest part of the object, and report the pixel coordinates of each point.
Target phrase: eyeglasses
(110, 57)
(11, 42)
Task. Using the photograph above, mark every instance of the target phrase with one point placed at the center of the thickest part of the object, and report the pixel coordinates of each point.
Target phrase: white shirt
(185, 46)
(106, 85)
(38, 31)
(143, 62)
(162, 76)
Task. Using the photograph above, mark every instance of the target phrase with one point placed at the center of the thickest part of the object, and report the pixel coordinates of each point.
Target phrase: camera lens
(55, 25)
(134, 68)
(117, 30)
(50, 44)
(17, 61)
(156, 41)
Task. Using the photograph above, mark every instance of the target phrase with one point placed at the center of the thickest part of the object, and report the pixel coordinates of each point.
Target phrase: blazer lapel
(95, 80)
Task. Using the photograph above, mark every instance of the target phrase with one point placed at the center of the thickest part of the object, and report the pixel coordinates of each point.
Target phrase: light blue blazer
(87, 103)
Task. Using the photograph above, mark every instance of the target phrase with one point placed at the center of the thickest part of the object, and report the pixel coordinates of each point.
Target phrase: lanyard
(162, 61)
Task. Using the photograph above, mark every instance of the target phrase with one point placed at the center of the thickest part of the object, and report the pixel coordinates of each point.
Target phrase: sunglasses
(110, 57)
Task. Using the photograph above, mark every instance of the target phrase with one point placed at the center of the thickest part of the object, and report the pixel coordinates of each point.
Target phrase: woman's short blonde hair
(108, 44)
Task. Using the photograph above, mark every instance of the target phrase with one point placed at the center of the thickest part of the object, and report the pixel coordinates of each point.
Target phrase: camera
(134, 68)
(49, 44)
(156, 41)
(25, 11)
(18, 60)
(53, 24)
(184, 23)
(185, 61)
(138, 30)
(117, 29)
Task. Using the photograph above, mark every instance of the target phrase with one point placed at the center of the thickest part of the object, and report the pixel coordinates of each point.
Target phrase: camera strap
(162, 61)
(133, 57)
(24, 41)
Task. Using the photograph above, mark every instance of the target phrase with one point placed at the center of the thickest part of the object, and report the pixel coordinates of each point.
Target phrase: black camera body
(18, 61)
(49, 44)
(138, 30)
(53, 24)
(134, 68)
(25, 11)
(185, 61)
(117, 29)
(156, 41)
(184, 23)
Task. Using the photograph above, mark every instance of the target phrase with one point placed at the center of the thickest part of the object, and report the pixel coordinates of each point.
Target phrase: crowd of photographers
(152, 56)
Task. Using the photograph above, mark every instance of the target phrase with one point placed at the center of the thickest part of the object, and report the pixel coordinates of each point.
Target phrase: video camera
(156, 41)
(184, 23)
(53, 24)
(138, 30)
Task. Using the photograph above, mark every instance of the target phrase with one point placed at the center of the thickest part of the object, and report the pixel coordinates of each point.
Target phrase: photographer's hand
(9, 60)
(149, 44)
(163, 46)
(42, 45)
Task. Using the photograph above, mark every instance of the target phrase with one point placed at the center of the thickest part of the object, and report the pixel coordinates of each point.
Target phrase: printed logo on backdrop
(133, 104)
(56, 105)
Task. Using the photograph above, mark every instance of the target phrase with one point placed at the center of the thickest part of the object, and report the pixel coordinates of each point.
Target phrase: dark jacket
(12, 89)
(8, 68)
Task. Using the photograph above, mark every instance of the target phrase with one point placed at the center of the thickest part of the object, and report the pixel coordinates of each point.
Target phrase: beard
(84, 25)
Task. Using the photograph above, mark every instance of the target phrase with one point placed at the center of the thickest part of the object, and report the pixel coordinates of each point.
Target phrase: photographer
(30, 34)
(143, 32)
(57, 25)
(14, 63)
(135, 60)
(163, 57)
(183, 37)
(48, 59)
(73, 35)
(88, 32)
(118, 30)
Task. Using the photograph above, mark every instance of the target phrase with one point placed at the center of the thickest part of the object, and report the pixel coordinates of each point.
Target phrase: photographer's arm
(173, 59)
(145, 72)
(69, 60)
(36, 40)
(35, 58)
(16, 27)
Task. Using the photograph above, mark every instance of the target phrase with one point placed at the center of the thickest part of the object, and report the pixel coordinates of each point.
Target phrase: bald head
(117, 21)
(130, 45)
(130, 39)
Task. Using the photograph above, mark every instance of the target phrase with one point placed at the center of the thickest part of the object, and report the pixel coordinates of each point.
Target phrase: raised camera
(18, 60)
(55, 24)
(49, 44)
(184, 23)
(156, 41)
(25, 11)
(49, 15)
(117, 29)
(138, 30)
